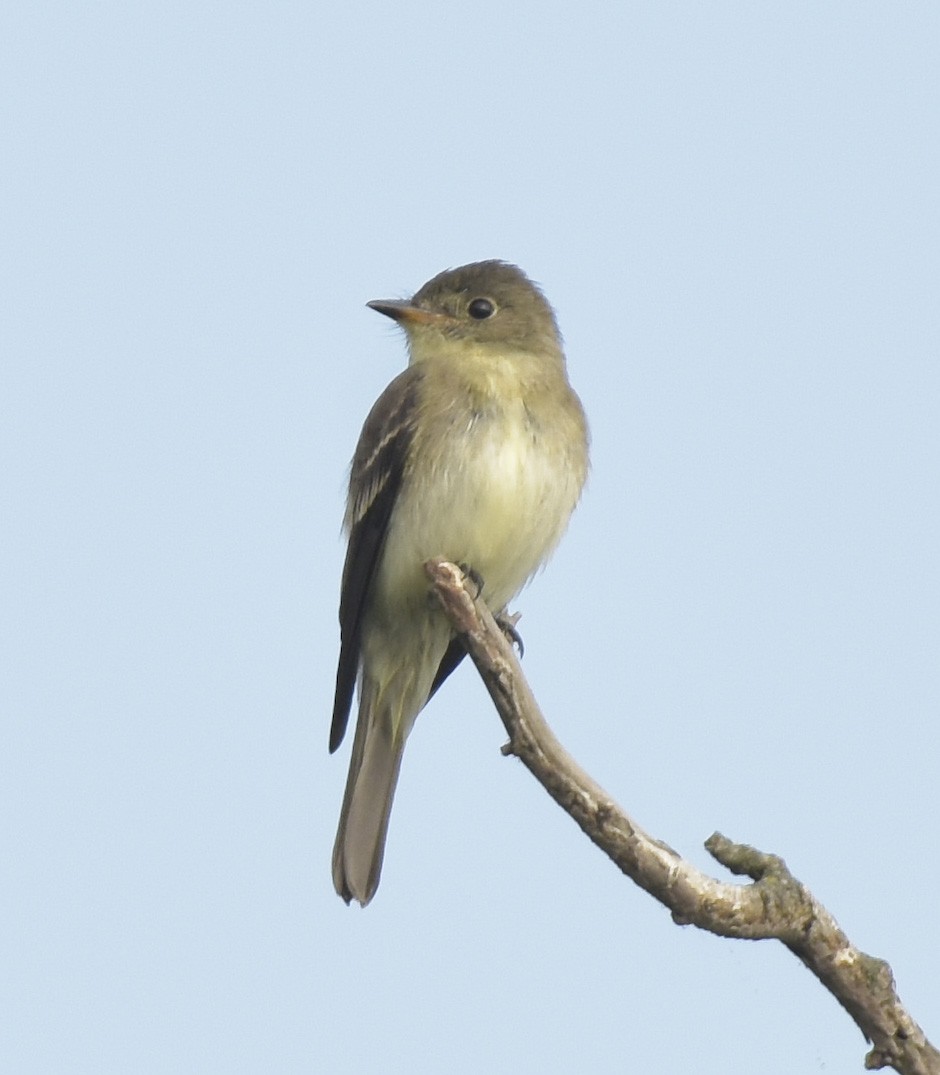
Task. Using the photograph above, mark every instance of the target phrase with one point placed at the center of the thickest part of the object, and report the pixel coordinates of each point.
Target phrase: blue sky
(733, 208)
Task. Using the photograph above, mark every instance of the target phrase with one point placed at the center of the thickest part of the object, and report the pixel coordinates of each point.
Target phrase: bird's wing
(375, 480)
(455, 653)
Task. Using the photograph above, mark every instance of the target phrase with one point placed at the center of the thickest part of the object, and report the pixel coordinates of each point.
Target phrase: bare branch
(774, 905)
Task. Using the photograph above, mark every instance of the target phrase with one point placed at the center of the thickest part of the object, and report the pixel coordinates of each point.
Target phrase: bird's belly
(498, 503)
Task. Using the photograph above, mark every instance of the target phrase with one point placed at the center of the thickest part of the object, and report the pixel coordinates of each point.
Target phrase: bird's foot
(474, 576)
(506, 622)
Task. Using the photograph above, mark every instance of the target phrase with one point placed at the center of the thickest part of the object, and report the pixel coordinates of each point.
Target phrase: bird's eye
(481, 309)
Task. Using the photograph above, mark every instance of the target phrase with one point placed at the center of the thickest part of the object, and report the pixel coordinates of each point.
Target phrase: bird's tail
(370, 787)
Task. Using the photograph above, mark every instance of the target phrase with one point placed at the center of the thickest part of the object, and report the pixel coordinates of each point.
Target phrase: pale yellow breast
(497, 496)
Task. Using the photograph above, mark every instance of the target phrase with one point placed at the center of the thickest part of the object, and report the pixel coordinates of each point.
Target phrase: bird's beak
(405, 313)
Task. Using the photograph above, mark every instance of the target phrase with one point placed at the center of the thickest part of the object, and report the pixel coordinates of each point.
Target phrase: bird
(477, 453)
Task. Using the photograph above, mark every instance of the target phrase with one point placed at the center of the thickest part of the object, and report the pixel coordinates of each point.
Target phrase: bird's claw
(474, 576)
(504, 620)
(507, 624)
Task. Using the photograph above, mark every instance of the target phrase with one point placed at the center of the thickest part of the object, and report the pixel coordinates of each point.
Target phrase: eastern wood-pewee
(477, 453)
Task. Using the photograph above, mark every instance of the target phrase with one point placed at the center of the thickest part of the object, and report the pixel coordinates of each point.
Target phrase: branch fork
(774, 905)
